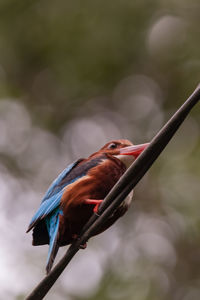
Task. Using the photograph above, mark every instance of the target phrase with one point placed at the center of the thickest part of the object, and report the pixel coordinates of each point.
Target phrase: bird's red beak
(134, 150)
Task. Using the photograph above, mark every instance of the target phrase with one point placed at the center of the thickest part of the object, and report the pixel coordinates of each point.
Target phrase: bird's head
(123, 150)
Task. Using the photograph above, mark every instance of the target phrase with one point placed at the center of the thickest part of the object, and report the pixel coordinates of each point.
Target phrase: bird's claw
(76, 238)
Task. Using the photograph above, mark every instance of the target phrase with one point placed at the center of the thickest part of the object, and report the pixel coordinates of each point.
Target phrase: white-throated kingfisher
(77, 192)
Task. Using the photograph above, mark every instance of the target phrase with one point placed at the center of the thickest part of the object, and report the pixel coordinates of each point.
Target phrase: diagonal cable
(118, 193)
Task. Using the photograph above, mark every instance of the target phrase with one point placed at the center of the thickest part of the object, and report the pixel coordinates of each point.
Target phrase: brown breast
(95, 185)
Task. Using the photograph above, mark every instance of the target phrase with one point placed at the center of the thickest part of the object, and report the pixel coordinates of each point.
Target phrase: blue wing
(53, 195)
(52, 223)
(57, 185)
(49, 210)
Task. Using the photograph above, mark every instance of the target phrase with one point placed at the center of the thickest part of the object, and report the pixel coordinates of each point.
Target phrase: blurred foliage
(74, 74)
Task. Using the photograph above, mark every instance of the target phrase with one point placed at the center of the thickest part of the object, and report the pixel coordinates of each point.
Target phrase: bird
(76, 194)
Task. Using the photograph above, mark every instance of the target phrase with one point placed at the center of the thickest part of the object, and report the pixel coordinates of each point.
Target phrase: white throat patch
(126, 159)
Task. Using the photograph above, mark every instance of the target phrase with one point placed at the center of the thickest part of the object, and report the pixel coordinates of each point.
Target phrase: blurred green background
(74, 75)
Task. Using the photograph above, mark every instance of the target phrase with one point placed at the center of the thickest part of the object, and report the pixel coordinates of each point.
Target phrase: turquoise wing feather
(49, 211)
(53, 196)
(52, 223)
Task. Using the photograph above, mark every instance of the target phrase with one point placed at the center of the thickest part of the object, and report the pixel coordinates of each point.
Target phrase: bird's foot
(83, 246)
(96, 202)
(76, 238)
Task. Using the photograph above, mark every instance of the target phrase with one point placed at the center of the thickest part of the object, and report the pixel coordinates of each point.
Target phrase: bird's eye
(112, 146)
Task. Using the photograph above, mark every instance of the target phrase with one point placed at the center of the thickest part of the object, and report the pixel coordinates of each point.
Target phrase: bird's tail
(53, 245)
